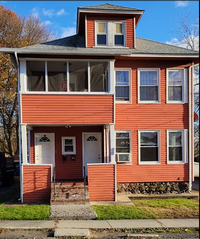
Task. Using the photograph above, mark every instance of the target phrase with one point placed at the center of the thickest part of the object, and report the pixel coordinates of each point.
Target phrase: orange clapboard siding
(64, 109)
(101, 182)
(161, 117)
(91, 28)
(36, 183)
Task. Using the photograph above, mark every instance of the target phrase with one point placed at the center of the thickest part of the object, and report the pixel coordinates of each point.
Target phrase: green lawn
(151, 209)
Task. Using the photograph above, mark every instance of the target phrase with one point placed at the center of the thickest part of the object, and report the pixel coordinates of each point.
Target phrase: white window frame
(24, 78)
(110, 33)
(96, 32)
(63, 146)
(184, 86)
(158, 85)
(184, 135)
(139, 154)
(130, 86)
(130, 147)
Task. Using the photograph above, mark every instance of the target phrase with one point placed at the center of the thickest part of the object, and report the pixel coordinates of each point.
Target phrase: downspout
(191, 126)
(19, 121)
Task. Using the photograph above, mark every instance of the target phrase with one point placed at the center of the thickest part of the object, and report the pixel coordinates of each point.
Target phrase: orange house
(104, 106)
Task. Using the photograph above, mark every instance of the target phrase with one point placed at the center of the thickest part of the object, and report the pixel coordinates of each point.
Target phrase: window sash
(68, 147)
(122, 85)
(123, 147)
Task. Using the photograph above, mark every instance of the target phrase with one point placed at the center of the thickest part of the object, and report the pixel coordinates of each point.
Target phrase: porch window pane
(99, 76)
(68, 145)
(78, 76)
(57, 80)
(35, 75)
(69, 148)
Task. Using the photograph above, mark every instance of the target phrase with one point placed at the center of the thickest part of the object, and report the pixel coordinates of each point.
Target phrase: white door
(92, 149)
(44, 148)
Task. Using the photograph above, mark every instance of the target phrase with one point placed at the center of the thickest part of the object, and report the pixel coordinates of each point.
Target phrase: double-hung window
(123, 145)
(68, 145)
(176, 146)
(149, 152)
(122, 87)
(175, 85)
(148, 85)
(101, 36)
(110, 33)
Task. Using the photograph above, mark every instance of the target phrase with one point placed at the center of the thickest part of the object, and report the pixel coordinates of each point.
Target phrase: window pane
(148, 78)
(68, 141)
(119, 40)
(122, 93)
(122, 78)
(78, 76)
(101, 27)
(148, 139)
(149, 93)
(175, 153)
(175, 93)
(119, 135)
(99, 76)
(122, 150)
(175, 77)
(68, 148)
(124, 157)
(35, 75)
(101, 40)
(175, 138)
(149, 154)
(57, 80)
(118, 28)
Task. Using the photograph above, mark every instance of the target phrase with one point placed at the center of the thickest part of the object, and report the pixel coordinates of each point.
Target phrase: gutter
(191, 125)
(19, 122)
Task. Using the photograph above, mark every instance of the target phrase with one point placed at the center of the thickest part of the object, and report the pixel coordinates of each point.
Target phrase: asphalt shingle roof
(108, 6)
(143, 46)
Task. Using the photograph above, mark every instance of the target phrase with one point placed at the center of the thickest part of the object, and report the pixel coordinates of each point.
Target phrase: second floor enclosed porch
(67, 76)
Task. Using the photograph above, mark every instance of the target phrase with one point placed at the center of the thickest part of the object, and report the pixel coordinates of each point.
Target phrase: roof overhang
(85, 11)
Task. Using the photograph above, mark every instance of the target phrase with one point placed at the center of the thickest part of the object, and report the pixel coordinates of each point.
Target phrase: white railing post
(112, 143)
(24, 143)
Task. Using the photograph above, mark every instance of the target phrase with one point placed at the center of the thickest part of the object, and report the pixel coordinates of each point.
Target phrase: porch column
(112, 143)
(24, 143)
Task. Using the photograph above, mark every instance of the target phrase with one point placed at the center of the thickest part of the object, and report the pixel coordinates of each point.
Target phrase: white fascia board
(129, 12)
(162, 55)
(63, 52)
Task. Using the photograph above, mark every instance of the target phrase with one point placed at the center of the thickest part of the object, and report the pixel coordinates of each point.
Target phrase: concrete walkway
(81, 228)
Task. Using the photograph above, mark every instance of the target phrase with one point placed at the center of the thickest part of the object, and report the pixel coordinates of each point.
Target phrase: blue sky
(158, 22)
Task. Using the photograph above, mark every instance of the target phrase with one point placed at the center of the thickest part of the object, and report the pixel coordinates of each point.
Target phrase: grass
(151, 209)
(30, 212)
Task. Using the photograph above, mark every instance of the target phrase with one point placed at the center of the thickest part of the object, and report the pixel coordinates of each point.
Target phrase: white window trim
(96, 32)
(148, 101)
(130, 85)
(184, 87)
(130, 145)
(110, 33)
(184, 135)
(24, 78)
(74, 146)
(158, 140)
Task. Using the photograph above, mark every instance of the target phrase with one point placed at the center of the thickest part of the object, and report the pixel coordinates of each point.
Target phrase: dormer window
(110, 34)
(101, 33)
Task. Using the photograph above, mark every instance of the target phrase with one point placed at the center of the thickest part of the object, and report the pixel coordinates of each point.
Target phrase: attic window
(119, 36)
(101, 33)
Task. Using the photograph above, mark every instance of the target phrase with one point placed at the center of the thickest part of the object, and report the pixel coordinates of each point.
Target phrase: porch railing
(54, 180)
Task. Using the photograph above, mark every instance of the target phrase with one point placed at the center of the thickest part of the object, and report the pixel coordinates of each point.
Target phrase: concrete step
(64, 232)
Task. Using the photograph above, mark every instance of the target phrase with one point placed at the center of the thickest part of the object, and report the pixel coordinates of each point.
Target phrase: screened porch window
(56, 76)
(35, 71)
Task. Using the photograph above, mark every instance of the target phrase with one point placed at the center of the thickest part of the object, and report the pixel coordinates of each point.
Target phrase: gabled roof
(108, 6)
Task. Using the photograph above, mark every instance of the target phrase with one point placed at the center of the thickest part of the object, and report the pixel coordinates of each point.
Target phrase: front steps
(69, 192)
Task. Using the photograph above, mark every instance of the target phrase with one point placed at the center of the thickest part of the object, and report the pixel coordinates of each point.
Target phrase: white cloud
(181, 3)
(35, 12)
(176, 42)
(48, 13)
(61, 12)
(47, 23)
(68, 31)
